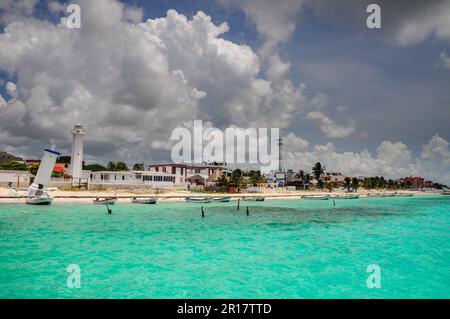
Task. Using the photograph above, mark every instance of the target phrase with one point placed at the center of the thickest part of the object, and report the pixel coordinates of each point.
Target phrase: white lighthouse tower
(76, 162)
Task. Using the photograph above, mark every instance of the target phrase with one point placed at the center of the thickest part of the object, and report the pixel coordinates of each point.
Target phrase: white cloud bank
(392, 160)
(131, 83)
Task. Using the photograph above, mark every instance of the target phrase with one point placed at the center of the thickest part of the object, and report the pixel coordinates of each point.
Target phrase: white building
(132, 178)
(14, 178)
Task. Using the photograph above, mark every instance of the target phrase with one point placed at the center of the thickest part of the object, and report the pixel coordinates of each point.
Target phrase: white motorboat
(105, 200)
(196, 200)
(141, 200)
(39, 200)
(353, 196)
(316, 197)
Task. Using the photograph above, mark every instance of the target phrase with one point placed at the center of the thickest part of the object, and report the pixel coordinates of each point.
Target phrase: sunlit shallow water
(283, 249)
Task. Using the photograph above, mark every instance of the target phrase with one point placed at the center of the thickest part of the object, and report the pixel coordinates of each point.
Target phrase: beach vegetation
(320, 183)
(94, 167)
(256, 178)
(222, 181)
(355, 184)
(347, 183)
(63, 159)
(117, 166)
(138, 167)
(238, 180)
(14, 166)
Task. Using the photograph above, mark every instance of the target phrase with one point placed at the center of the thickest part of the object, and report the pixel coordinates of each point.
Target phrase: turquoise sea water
(284, 249)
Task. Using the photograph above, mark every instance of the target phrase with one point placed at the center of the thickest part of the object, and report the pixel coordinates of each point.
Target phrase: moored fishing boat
(105, 200)
(387, 195)
(142, 200)
(352, 196)
(403, 195)
(224, 199)
(203, 200)
(373, 195)
(254, 198)
(446, 193)
(38, 191)
(316, 197)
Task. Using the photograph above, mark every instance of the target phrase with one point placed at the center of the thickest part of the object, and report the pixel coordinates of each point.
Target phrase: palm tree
(222, 181)
(237, 179)
(318, 170)
(261, 180)
(347, 183)
(256, 178)
(300, 175)
(355, 183)
(306, 180)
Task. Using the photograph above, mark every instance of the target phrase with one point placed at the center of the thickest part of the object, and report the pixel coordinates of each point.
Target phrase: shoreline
(124, 196)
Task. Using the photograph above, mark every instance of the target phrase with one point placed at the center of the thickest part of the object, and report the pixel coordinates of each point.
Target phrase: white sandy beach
(124, 196)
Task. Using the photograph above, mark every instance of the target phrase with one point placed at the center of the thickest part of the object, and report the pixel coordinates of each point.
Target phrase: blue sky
(338, 85)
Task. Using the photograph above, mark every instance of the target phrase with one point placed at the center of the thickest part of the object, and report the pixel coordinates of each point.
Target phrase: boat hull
(105, 201)
(39, 200)
(198, 200)
(224, 199)
(147, 201)
(316, 197)
(346, 197)
(254, 199)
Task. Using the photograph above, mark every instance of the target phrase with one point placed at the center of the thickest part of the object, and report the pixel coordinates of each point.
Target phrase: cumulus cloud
(56, 7)
(133, 14)
(445, 59)
(2, 102)
(275, 20)
(132, 83)
(293, 143)
(19, 6)
(11, 90)
(393, 152)
(431, 20)
(393, 160)
(437, 149)
(329, 127)
(404, 22)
